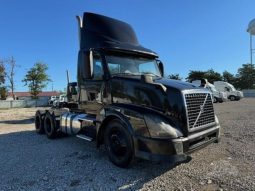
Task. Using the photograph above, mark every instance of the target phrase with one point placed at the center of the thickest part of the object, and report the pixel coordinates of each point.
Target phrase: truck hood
(177, 84)
(162, 95)
(168, 83)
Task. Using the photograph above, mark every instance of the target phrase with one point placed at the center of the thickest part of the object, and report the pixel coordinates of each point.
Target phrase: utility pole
(251, 50)
(251, 30)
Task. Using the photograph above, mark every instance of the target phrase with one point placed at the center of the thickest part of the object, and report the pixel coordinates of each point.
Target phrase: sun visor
(103, 32)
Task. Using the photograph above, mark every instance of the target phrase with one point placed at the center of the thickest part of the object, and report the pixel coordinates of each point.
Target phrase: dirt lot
(29, 161)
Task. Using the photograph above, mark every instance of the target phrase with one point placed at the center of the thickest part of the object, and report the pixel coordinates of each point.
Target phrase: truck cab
(218, 96)
(52, 99)
(230, 90)
(125, 103)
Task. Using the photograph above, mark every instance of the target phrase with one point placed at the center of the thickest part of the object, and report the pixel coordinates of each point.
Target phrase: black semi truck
(122, 100)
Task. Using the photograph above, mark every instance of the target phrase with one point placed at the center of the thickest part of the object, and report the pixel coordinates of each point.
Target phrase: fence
(249, 93)
(4, 104)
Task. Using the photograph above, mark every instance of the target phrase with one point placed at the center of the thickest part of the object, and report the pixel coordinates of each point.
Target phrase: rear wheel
(232, 98)
(119, 144)
(39, 123)
(50, 125)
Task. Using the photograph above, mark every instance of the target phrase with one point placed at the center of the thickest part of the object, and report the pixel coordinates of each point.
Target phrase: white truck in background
(230, 90)
(218, 96)
(52, 99)
(62, 99)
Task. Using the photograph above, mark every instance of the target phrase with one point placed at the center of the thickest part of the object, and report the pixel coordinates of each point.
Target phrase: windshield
(119, 65)
(232, 87)
(213, 88)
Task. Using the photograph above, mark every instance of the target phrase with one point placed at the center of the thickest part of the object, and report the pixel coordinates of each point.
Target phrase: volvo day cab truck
(232, 93)
(122, 101)
(218, 96)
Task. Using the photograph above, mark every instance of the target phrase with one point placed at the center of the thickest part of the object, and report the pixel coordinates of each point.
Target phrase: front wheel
(119, 144)
(232, 98)
(215, 100)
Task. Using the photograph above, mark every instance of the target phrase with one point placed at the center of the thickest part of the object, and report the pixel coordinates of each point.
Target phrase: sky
(187, 34)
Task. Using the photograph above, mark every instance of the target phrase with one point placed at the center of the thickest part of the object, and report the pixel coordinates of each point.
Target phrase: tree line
(35, 79)
(244, 79)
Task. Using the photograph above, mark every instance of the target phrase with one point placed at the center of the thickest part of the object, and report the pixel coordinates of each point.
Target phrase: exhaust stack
(67, 76)
(79, 28)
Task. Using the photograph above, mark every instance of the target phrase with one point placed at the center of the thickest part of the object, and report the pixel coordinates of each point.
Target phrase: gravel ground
(29, 161)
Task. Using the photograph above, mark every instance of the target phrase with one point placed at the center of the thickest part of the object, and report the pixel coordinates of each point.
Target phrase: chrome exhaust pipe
(79, 19)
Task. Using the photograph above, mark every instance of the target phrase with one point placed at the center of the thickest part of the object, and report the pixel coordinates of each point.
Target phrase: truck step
(84, 137)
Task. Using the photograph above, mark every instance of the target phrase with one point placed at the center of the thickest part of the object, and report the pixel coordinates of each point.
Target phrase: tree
(228, 77)
(195, 75)
(246, 77)
(3, 92)
(36, 79)
(212, 76)
(11, 64)
(175, 77)
(2, 72)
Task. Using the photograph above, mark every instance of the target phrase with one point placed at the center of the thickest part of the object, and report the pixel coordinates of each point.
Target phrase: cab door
(94, 86)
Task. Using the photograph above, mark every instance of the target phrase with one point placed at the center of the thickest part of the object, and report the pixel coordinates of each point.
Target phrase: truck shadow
(21, 121)
(75, 163)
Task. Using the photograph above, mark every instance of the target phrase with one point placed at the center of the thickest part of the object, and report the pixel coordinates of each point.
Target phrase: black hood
(177, 84)
(168, 83)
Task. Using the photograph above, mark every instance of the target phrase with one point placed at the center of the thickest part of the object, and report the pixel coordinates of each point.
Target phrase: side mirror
(161, 68)
(71, 90)
(85, 65)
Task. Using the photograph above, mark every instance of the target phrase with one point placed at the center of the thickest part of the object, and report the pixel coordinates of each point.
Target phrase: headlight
(160, 127)
(239, 93)
(218, 123)
(217, 120)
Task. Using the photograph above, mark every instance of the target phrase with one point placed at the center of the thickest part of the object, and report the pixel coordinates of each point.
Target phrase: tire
(232, 98)
(39, 123)
(50, 125)
(119, 144)
(215, 100)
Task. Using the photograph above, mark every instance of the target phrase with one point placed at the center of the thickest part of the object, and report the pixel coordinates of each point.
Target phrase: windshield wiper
(125, 74)
(134, 74)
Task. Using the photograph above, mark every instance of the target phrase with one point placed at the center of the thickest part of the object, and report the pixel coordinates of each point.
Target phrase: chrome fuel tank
(72, 123)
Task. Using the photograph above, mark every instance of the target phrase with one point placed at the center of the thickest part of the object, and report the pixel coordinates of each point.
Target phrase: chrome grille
(200, 110)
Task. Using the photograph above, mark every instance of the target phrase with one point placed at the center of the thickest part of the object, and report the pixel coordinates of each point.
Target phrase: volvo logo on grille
(202, 108)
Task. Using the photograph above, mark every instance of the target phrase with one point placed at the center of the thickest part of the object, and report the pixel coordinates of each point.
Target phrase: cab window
(98, 69)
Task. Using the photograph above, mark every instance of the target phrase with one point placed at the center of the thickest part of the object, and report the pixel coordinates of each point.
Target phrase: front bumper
(239, 97)
(168, 149)
(220, 99)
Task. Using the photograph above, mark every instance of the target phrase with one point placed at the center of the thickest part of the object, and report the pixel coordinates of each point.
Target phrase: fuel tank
(72, 123)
